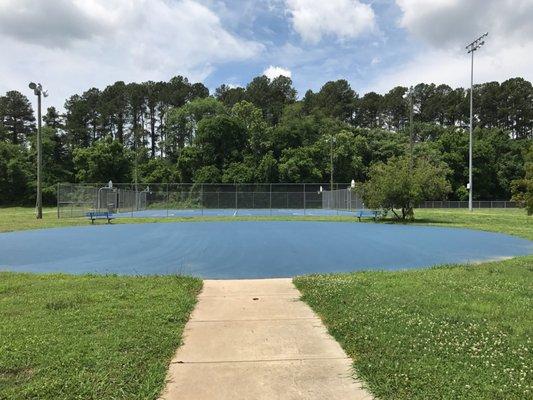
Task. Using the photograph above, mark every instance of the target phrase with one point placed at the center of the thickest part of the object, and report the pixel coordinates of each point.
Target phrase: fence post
(58, 201)
(304, 198)
(270, 203)
(167, 201)
(202, 198)
(236, 199)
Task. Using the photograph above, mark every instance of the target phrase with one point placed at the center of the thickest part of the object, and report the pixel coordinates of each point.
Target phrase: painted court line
(255, 339)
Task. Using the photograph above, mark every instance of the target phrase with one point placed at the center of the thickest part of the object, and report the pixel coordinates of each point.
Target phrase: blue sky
(73, 45)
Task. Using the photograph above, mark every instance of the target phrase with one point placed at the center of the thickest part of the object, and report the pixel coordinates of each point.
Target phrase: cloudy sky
(72, 45)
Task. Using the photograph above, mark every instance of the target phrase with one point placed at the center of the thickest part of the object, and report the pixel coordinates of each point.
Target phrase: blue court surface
(231, 212)
(248, 249)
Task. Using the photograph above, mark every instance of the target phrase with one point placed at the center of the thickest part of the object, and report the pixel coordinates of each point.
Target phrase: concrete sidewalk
(254, 339)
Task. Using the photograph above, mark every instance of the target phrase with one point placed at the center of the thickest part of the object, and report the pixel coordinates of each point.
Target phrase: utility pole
(331, 140)
(471, 48)
(411, 132)
(38, 91)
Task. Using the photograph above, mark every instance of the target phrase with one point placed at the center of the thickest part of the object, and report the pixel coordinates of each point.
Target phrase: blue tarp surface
(248, 249)
(229, 212)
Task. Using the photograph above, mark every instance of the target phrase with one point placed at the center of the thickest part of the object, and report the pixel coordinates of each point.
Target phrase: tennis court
(230, 212)
(248, 249)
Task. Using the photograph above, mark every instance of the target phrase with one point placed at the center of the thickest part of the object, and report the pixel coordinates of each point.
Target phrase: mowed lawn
(89, 337)
(450, 332)
(453, 332)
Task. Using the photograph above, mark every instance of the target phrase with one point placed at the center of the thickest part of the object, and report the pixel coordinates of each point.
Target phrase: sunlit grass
(451, 332)
(89, 337)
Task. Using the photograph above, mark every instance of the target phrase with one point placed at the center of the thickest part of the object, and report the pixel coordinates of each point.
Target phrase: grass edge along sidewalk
(90, 337)
(454, 332)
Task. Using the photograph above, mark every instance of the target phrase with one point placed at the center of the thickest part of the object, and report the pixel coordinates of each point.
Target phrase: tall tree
(16, 116)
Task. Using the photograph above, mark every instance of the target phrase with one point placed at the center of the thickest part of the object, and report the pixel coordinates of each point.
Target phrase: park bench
(94, 215)
(367, 214)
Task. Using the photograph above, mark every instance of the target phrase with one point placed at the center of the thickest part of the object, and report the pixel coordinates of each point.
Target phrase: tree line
(177, 131)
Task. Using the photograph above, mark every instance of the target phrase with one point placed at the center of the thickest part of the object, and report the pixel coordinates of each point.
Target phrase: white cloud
(84, 43)
(273, 72)
(449, 23)
(344, 19)
(442, 28)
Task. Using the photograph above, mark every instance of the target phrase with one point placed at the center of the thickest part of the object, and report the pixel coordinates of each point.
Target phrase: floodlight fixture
(32, 85)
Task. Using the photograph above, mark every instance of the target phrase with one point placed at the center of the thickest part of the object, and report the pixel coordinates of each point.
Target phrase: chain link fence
(464, 204)
(160, 200)
(75, 200)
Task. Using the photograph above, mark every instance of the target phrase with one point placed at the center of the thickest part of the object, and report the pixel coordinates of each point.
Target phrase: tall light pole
(331, 141)
(471, 48)
(411, 132)
(38, 90)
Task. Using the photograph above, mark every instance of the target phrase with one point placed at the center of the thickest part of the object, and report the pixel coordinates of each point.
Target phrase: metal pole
(304, 198)
(270, 203)
(472, 47)
(470, 187)
(39, 159)
(58, 193)
(411, 133)
(331, 164)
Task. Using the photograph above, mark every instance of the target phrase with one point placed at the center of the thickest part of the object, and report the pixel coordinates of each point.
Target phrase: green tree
(16, 175)
(398, 185)
(252, 119)
(239, 172)
(16, 116)
(230, 95)
(207, 174)
(523, 188)
(182, 123)
(158, 170)
(335, 99)
(105, 160)
(299, 165)
(220, 140)
(271, 96)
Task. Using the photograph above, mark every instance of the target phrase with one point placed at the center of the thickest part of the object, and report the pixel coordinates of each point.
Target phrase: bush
(522, 189)
(399, 185)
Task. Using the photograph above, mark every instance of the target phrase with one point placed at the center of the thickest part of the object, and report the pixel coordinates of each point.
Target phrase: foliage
(265, 133)
(403, 184)
(105, 160)
(523, 188)
(15, 173)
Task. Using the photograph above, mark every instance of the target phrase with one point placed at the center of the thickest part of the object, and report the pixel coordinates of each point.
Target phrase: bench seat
(367, 214)
(94, 215)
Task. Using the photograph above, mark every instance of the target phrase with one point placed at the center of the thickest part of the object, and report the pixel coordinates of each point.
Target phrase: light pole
(38, 90)
(331, 140)
(411, 132)
(471, 48)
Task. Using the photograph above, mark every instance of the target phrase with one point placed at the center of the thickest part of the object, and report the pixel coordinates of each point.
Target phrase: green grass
(444, 333)
(450, 332)
(89, 337)
(511, 221)
(455, 332)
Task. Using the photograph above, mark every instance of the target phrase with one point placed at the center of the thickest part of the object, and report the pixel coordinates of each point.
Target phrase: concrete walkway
(254, 339)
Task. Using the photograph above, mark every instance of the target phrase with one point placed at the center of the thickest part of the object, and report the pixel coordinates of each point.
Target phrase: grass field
(456, 332)
(511, 221)
(89, 337)
(452, 332)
